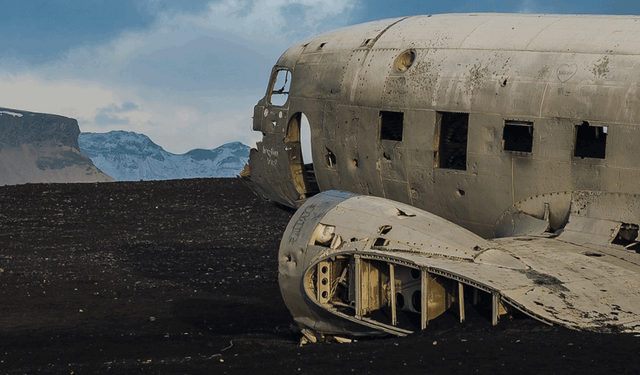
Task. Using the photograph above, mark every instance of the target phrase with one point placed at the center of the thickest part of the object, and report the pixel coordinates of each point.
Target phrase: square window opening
(391, 124)
(591, 141)
(517, 136)
(451, 149)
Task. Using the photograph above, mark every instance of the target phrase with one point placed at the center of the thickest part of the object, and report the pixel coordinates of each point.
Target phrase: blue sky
(186, 73)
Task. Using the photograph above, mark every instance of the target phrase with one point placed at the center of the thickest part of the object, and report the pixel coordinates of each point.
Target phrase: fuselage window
(279, 87)
(517, 136)
(390, 124)
(451, 140)
(591, 141)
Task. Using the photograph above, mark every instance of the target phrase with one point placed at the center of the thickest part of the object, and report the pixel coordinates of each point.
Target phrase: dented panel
(541, 69)
(346, 275)
(520, 128)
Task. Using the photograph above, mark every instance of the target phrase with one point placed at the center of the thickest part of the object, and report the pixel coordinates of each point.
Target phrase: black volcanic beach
(181, 277)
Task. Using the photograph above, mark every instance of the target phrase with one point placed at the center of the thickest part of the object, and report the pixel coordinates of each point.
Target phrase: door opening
(298, 146)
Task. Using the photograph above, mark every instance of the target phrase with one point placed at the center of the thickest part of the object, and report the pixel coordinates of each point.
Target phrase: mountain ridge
(130, 156)
(42, 148)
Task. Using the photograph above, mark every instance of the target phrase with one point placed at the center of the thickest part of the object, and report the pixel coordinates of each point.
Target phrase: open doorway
(298, 146)
(305, 140)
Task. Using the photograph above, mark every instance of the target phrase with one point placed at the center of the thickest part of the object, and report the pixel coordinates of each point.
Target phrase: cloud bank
(188, 80)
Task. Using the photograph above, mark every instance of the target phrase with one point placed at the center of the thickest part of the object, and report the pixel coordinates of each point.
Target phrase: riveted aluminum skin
(553, 71)
(572, 280)
(518, 133)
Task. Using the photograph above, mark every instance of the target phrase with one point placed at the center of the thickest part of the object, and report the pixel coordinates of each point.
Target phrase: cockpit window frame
(285, 90)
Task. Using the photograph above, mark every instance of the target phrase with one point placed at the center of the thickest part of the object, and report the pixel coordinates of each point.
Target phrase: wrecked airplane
(457, 159)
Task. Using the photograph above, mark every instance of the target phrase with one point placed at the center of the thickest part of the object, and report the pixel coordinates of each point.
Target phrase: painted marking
(566, 72)
(272, 156)
(270, 152)
(297, 227)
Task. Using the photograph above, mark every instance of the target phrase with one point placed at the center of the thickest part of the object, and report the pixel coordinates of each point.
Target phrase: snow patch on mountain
(128, 156)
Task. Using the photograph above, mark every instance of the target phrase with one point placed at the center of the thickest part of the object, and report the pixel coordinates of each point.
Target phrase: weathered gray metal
(506, 125)
(555, 71)
(346, 261)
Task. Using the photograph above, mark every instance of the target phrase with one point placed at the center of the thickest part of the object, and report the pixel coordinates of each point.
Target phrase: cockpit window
(279, 93)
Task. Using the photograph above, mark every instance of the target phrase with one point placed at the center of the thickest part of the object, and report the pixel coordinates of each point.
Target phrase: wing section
(356, 266)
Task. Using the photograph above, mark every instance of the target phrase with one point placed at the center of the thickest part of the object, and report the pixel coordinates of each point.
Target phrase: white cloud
(534, 6)
(178, 128)
(67, 97)
(194, 78)
(526, 6)
(264, 26)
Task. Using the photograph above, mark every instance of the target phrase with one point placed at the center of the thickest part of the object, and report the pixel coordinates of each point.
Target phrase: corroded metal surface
(554, 71)
(550, 279)
(521, 128)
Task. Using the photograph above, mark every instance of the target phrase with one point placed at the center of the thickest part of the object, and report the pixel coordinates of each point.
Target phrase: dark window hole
(416, 300)
(391, 124)
(416, 273)
(452, 152)
(384, 229)
(330, 158)
(380, 242)
(399, 300)
(627, 235)
(518, 136)
(591, 141)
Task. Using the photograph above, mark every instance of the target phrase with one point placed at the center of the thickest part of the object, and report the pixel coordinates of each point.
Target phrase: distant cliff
(128, 156)
(39, 147)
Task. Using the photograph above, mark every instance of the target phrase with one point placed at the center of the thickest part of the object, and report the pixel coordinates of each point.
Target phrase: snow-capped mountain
(128, 156)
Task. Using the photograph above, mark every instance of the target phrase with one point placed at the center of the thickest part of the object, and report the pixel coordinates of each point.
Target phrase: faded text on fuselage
(272, 156)
(297, 226)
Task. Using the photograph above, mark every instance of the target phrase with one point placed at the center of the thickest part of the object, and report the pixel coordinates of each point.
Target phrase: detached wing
(356, 265)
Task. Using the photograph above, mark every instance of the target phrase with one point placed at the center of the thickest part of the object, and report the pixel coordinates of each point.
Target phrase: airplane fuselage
(461, 115)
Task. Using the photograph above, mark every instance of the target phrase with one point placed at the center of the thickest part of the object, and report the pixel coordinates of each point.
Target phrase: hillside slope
(39, 147)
